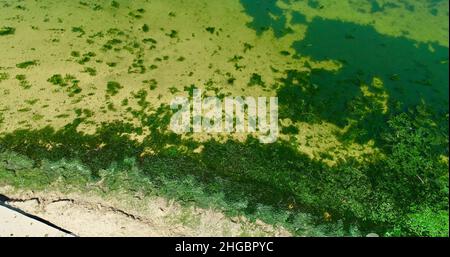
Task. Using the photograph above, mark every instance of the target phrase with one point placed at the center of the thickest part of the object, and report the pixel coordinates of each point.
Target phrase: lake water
(339, 68)
(391, 52)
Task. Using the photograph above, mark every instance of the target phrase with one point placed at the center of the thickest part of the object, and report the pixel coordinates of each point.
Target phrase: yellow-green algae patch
(65, 38)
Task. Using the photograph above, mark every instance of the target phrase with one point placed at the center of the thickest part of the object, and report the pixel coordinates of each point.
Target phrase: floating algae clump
(57, 79)
(4, 76)
(23, 81)
(172, 34)
(152, 83)
(4, 31)
(256, 79)
(24, 65)
(115, 4)
(79, 30)
(211, 30)
(68, 81)
(113, 87)
(91, 71)
(75, 54)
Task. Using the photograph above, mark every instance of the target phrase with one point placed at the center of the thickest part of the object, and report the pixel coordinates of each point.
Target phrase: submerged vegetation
(392, 195)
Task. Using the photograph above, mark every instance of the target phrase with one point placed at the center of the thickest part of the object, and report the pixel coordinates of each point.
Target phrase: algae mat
(108, 60)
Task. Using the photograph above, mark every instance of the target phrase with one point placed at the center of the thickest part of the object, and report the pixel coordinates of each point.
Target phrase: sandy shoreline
(16, 224)
(93, 216)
